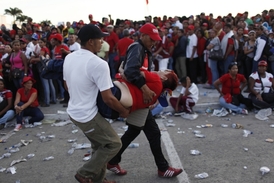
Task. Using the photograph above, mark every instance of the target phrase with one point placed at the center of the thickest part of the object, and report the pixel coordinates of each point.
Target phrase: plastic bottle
(14, 150)
(48, 158)
(133, 145)
(81, 146)
(170, 124)
(195, 152)
(224, 125)
(72, 140)
(17, 145)
(30, 156)
(71, 151)
(246, 133)
(201, 175)
(200, 135)
(197, 132)
(51, 136)
(37, 123)
(74, 131)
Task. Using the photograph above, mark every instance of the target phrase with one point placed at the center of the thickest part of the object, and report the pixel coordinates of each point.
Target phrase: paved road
(223, 156)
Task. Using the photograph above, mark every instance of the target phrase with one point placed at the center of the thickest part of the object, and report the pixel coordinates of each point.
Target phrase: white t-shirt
(194, 92)
(28, 52)
(31, 46)
(267, 82)
(85, 74)
(192, 41)
(75, 46)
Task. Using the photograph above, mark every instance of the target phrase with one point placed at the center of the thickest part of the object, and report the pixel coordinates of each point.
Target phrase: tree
(21, 18)
(13, 12)
(45, 22)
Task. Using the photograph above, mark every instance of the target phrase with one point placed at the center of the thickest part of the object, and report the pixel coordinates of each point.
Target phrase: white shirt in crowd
(74, 47)
(31, 46)
(267, 82)
(194, 92)
(192, 41)
(83, 75)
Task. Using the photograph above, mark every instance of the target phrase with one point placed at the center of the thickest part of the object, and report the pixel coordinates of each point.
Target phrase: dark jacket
(134, 60)
(180, 49)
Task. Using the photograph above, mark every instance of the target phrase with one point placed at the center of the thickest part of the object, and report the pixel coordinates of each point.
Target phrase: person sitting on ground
(261, 87)
(187, 99)
(232, 85)
(26, 104)
(130, 96)
(6, 112)
(156, 109)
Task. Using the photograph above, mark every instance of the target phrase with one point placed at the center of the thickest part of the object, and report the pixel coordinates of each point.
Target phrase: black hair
(232, 64)
(228, 26)
(1, 79)
(183, 80)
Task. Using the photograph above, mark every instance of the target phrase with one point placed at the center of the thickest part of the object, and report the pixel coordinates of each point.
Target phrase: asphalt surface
(223, 155)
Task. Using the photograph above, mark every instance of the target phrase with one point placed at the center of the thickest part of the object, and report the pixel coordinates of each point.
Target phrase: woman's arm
(210, 46)
(25, 63)
(216, 84)
(251, 83)
(244, 83)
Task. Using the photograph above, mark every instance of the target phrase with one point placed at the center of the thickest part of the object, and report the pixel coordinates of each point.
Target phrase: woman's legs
(8, 116)
(214, 70)
(52, 91)
(46, 90)
(230, 106)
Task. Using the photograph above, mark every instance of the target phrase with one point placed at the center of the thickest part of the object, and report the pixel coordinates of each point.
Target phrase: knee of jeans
(20, 103)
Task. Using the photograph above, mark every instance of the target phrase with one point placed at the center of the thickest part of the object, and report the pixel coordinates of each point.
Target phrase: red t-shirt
(112, 40)
(45, 50)
(170, 44)
(25, 98)
(123, 45)
(153, 82)
(230, 41)
(221, 35)
(58, 53)
(6, 94)
(201, 46)
(228, 83)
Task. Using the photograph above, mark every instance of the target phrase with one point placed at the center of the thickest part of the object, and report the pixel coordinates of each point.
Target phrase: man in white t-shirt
(73, 45)
(187, 99)
(85, 74)
(191, 54)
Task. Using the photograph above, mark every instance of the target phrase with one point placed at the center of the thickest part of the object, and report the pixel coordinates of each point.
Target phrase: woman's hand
(259, 97)
(18, 109)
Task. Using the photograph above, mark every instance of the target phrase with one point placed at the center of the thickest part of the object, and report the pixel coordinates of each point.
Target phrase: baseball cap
(151, 31)
(190, 27)
(23, 40)
(34, 36)
(90, 31)
(262, 63)
(59, 37)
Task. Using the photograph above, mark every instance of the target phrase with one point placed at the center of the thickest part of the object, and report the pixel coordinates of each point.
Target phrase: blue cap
(34, 36)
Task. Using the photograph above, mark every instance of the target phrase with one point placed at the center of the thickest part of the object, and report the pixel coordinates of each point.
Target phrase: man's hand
(147, 94)
(125, 113)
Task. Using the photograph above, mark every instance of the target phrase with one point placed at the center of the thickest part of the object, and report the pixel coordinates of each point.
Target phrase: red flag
(147, 1)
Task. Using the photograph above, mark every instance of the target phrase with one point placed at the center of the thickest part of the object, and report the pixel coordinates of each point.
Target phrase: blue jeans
(157, 110)
(234, 108)
(227, 62)
(17, 83)
(112, 64)
(214, 70)
(8, 116)
(49, 90)
(255, 66)
(170, 65)
(61, 88)
(34, 112)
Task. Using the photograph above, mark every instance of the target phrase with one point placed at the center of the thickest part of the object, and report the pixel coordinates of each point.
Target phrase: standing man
(139, 57)
(83, 80)
(191, 54)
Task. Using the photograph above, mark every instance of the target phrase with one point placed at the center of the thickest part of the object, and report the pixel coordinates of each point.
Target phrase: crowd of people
(73, 62)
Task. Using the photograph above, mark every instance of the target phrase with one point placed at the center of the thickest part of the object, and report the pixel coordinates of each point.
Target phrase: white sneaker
(244, 111)
(190, 116)
(17, 127)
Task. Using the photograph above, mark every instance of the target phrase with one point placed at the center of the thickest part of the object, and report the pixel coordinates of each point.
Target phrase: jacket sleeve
(260, 47)
(134, 61)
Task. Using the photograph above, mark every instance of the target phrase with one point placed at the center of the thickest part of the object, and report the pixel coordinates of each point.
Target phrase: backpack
(267, 47)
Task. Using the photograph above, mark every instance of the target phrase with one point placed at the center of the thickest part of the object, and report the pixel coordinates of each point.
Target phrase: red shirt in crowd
(6, 94)
(201, 46)
(228, 83)
(230, 41)
(25, 98)
(123, 44)
(57, 51)
(45, 50)
(154, 83)
(112, 40)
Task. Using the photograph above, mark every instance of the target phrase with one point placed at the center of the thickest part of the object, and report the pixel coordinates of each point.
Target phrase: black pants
(192, 69)
(153, 135)
(260, 104)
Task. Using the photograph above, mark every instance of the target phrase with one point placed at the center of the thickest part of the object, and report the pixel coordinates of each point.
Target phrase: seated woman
(232, 85)
(132, 97)
(26, 104)
(260, 86)
(6, 112)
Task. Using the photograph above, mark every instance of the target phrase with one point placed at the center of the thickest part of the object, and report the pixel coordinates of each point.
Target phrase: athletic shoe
(116, 169)
(244, 111)
(170, 172)
(190, 116)
(17, 127)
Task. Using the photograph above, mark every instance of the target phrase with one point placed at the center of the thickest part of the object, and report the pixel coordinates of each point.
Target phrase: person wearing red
(122, 47)
(112, 40)
(26, 104)
(232, 85)
(200, 51)
(131, 97)
(91, 21)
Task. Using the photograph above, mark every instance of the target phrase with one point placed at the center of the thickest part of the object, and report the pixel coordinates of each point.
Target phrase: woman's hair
(15, 41)
(232, 64)
(171, 82)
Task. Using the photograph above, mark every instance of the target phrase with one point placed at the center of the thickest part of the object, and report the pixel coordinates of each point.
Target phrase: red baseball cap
(59, 37)
(150, 30)
(190, 27)
(262, 63)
